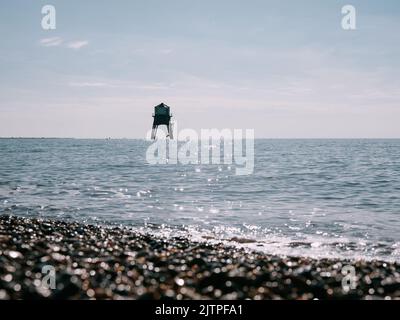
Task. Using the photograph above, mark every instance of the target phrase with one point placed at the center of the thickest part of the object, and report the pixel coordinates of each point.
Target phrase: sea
(310, 198)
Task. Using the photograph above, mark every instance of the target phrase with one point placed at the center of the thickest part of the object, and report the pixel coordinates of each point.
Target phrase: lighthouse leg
(171, 130)
(154, 132)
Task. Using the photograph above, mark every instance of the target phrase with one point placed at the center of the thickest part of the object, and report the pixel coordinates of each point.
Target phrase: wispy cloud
(89, 84)
(58, 41)
(166, 51)
(51, 42)
(118, 84)
(77, 44)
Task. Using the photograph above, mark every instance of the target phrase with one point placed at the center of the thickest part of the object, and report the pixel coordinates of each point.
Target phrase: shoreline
(95, 262)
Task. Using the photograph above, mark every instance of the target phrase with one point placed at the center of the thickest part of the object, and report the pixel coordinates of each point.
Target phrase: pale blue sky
(284, 68)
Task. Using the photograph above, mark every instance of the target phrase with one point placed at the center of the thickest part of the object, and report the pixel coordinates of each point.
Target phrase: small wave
(312, 246)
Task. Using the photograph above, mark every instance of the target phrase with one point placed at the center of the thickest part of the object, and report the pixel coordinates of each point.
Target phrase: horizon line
(257, 138)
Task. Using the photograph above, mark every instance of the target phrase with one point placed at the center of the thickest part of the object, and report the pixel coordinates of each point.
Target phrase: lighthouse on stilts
(162, 116)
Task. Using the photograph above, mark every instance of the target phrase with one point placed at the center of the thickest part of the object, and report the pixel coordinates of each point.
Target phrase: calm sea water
(318, 198)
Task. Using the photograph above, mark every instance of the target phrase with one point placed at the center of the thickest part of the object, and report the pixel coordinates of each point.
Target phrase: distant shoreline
(111, 138)
(118, 263)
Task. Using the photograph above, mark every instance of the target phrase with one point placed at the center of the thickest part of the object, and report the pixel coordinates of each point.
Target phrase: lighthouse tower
(162, 116)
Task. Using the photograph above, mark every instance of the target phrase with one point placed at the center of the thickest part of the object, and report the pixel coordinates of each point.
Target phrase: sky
(286, 69)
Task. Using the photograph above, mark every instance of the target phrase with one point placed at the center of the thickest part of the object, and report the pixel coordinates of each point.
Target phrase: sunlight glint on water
(319, 198)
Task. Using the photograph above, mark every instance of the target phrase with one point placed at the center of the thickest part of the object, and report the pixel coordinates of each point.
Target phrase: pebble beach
(98, 262)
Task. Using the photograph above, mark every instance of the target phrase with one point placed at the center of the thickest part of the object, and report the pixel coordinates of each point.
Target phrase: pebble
(95, 262)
